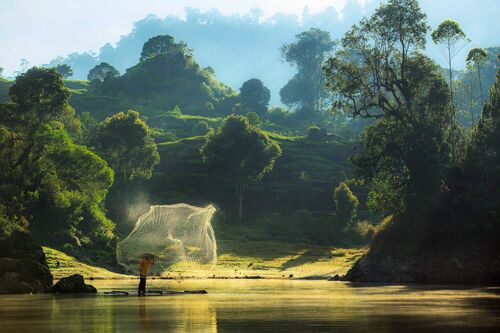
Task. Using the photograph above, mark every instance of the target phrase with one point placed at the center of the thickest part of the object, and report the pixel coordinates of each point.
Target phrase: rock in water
(71, 285)
(23, 268)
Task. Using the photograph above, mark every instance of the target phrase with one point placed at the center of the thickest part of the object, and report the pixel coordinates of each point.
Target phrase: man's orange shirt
(144, 267)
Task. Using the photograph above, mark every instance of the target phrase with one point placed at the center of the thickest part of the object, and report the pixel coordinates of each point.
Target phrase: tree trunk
(471, 103)
(240, 189)
(451, 78)
(480, 85)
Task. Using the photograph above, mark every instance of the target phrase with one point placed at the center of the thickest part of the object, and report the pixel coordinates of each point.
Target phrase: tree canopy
(125, 142)
(305, 90)
(102, 71)
(65, 70)
(380, 73)
(52, 186)
(240, 153)
(449, 34)
(163, 44)
(40, 95)
(254, 97)
(477, 57)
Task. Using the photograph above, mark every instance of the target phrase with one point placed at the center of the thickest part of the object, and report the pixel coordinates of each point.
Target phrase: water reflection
(259, 306)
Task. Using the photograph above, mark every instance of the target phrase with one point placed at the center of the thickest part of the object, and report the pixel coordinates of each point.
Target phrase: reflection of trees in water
(165, 313)
(195, 315)
(81, 314)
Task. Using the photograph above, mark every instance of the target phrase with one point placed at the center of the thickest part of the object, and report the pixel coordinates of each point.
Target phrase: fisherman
(144, 265)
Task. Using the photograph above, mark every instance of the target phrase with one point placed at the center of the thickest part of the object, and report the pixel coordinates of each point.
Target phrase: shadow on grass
(307, 256)
(263, 250)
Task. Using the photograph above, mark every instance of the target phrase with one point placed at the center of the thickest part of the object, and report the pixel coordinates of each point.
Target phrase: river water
(258, 306)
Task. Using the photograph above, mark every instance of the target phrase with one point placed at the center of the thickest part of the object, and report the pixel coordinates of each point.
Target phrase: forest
(375, 146)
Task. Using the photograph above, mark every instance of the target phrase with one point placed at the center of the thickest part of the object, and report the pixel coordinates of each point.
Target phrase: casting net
(174, 234)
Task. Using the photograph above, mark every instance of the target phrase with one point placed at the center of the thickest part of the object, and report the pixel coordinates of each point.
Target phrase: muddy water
(259, 306)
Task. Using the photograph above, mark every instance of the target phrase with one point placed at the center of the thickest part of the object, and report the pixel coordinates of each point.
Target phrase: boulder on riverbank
(73, 284)
(23, 268)
(426, 268)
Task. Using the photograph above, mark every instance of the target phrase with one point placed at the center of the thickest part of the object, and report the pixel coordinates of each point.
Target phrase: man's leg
(142, 285)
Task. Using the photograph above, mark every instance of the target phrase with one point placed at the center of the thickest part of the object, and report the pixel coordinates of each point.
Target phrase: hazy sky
(41, 30)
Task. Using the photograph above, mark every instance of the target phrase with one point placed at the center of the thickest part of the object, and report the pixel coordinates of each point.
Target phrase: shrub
(346, 205)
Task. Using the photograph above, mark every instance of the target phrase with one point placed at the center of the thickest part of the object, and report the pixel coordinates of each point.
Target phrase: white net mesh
(173, 234)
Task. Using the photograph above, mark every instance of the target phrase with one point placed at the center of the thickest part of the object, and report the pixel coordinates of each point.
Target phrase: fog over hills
(243, 46)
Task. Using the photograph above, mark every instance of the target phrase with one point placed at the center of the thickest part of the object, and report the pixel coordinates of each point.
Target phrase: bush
(346, 206)
(316, 133)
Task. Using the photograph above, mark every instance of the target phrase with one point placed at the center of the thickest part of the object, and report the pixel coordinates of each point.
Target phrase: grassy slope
(304, 176)
(69, 265)
(269, 259)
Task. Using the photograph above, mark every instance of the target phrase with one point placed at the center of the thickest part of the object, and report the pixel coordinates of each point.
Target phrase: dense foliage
(102, 71)
(376, 122)
(239, 153)
(305, 91)
(50, 185)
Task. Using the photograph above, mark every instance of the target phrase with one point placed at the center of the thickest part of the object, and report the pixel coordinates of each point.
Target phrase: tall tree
(163, 44)
(450, 35)
(305, 90)
(477, 57)
(40, 95)
(380, 73)
(50, 184)
(102, 71)
(254, 97)
(469, 87)
(125, 142)
(239, 153)
(64, 70)
(477, 184)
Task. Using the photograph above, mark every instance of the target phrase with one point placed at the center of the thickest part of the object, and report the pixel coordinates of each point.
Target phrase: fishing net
(173, 234)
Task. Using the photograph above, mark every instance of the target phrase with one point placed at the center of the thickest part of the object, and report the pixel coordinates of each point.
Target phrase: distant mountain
(237, 47)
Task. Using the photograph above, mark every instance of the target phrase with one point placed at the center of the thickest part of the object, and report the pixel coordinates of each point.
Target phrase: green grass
(268, 259)
(69, 265)
(278, 259)
(77, 86)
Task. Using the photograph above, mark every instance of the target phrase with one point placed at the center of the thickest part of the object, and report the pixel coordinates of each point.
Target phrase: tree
(51, 185)
(305, 90)
(477, 57)
(125, 142)
(254, 97)
(1, 72)
(163, 44)
(71, 182)
(64, 70)
(449, 34)
(40, 95)
(477, 183)
(371, 70)
(380, 73)
(102, 71)
(239, 153)
(346, 205)
(469, 87)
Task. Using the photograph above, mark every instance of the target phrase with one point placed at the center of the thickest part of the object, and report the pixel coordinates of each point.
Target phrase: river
(258, 306)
